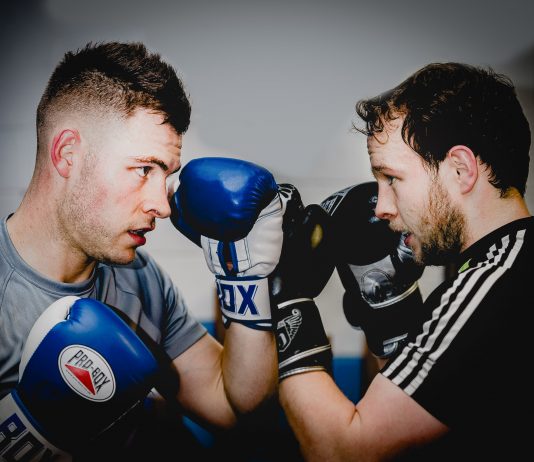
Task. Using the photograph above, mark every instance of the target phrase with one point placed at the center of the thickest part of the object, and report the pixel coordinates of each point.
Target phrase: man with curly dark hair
(449, 149)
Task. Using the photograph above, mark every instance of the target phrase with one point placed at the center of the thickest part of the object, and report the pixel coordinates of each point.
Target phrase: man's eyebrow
(378, 168)
(153, 160)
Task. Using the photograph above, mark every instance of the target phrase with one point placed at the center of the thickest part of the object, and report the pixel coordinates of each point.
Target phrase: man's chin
(425, 256)
(420, 259)
(124, 259)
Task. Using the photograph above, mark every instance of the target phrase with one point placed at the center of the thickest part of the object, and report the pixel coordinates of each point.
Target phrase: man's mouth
(407, 238)
(138, 235)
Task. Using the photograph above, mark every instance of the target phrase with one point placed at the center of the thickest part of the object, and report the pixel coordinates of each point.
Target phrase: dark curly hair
(448, 104)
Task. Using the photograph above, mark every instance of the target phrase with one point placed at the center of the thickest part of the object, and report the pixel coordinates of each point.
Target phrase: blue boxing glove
(82, 369)
(233, 210)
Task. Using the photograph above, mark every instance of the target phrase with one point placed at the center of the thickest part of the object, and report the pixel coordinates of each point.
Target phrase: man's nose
(385, 205)
(157, 202)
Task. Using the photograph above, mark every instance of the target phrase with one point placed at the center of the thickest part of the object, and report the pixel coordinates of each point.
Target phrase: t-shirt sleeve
(182, 329)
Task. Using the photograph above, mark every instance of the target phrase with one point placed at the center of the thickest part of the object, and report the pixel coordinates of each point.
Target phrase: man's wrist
(245, 300)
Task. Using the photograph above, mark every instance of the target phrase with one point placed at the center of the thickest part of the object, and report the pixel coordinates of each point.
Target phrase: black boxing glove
(377, 270)
(304, 268)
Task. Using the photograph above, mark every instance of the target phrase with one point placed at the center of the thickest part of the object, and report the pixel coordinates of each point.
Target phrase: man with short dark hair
(109, 135)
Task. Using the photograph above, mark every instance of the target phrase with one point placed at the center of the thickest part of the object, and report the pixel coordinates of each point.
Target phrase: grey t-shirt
(141, 290)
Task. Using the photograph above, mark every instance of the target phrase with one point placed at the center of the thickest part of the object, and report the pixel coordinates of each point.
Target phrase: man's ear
(65, 146)
(465, 165)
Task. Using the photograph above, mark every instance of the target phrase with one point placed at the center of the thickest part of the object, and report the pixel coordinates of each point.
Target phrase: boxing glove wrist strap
(301, 340)
(293, 302)
(302, 355)
(245, 300)
(20, 438)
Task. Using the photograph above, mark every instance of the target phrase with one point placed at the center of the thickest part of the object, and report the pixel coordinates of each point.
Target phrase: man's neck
(490, 215)
(36, 235)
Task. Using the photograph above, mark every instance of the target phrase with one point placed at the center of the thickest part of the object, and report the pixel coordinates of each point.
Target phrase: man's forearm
(249, 367)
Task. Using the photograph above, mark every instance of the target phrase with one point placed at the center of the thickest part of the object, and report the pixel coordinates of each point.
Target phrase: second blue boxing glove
(82, 370)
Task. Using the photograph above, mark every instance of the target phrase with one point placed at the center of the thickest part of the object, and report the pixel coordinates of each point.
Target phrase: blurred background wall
(273, 82)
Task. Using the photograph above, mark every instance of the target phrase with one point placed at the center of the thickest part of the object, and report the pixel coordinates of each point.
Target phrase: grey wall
(273, 82)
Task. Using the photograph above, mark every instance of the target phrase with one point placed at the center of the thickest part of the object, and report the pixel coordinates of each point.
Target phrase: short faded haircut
(114, 76)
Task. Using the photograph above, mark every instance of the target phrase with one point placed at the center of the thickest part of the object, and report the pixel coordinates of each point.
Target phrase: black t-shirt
(469, 365)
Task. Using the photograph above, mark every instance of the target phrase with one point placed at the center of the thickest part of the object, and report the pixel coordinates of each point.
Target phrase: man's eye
(143, 171)
(390, 179)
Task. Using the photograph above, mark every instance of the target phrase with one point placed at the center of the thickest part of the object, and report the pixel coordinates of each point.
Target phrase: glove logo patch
(287, 328)
(331, 203)
(376, 281)
(240, 301)
(87, 373)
